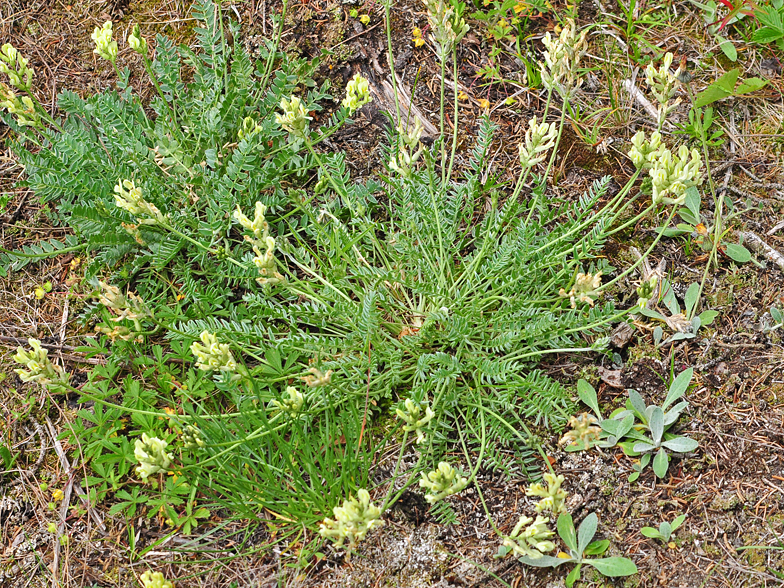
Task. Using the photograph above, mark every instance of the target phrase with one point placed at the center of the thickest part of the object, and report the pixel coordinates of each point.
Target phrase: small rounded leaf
(738, 253)
(614, 567)
(661, 463)
(681, 444)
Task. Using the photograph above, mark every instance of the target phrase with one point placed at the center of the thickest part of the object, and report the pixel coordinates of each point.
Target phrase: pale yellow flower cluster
(442, 482)
(585, 286)
(357, 94)
(552, 497)
(560, 70)
(264, 260)
(104, 45)
(539, 139)
(352, 521)
(294, 118)
(413, 417)
(151, 454)
(40, 368)
(671, 175)
(212, 355)
(533, 541)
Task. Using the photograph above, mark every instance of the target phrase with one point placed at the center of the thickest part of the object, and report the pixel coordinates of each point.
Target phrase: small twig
(10, 219)
(760, 246)
(778, 226)
(70, 472)
(24, 474)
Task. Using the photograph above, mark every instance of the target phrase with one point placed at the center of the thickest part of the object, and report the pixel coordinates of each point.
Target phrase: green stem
(154, 80)
(274, 49)
(550, 163)
(643, 257)
(609, 206)
(390, 58)
(632, 221)
(608, 320)
(454, 131)
(517, 356)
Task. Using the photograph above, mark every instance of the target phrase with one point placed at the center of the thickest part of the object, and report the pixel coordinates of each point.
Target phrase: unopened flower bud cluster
(39, 367)
(447, 28)
(532, 537)
(137, 42)
(357, 94)
(663, 85)
(15, 67)
(409, 149)
(646, 291)
(249, 128)
(22, 108)
(539, 139)
(129, 197)
(261, 240)
(104, 45)
(155, 580)
(212, 355)
(442, 482)
(352, 521)
(21, 77)
(585, 286)
(291, 405)
(191, 437)
(413, 417)
(151, 454)
(562, 60)
(671, 175)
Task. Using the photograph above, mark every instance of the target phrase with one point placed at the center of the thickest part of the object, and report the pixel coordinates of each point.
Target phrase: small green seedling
(656, 420)
(778, 318)
(665, 530)
(702, 121)
(684, 323)
(639, 430)
(579, 544)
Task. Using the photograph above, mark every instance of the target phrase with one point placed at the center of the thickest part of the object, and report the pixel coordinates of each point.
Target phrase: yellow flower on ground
(416, 35)
(484, 103)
